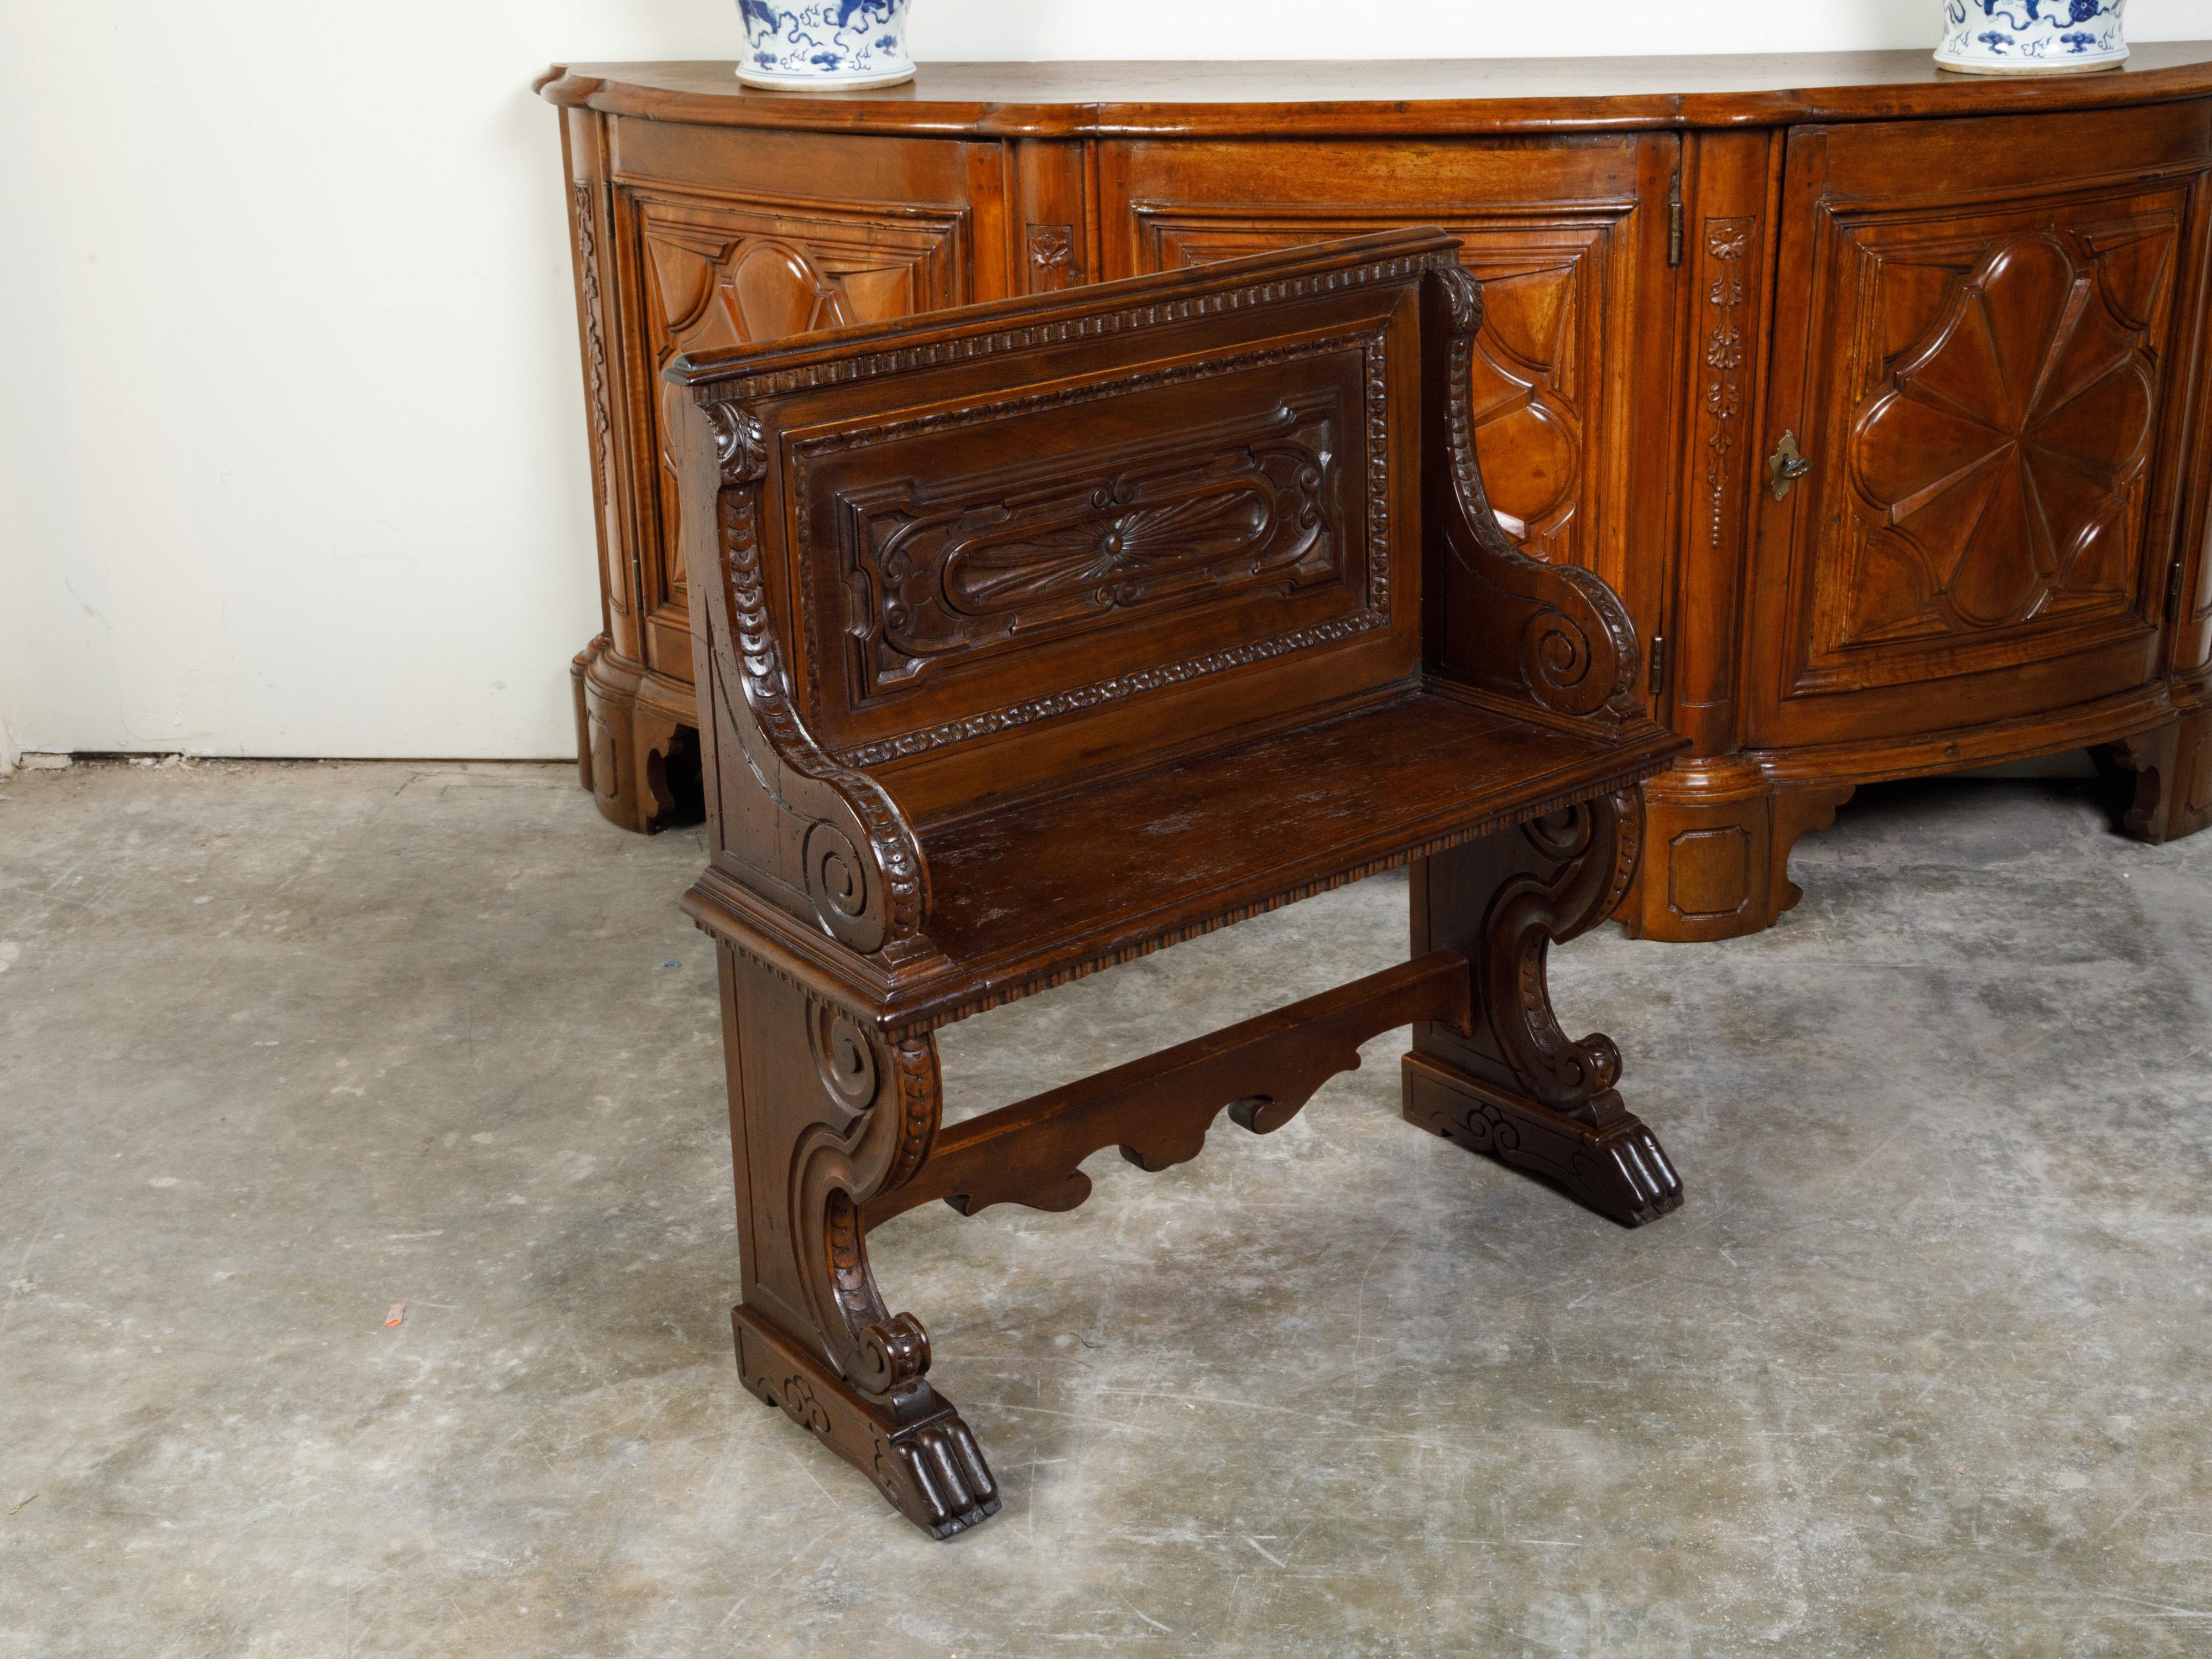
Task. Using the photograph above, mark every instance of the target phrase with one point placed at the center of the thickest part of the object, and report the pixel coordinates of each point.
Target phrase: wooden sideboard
(1877, 392)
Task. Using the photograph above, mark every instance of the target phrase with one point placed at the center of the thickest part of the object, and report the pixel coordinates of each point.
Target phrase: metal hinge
(1655, 682)
(1675, 219)
(2175, 580)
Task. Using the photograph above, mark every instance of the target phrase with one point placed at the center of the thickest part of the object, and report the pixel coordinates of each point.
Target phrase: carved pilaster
(597, 397)
(1723, 405)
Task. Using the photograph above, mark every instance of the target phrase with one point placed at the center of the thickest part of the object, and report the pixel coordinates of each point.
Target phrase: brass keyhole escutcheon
(1785, 467)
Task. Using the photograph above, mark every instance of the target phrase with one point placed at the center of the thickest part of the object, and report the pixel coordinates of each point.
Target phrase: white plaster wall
(291, 431)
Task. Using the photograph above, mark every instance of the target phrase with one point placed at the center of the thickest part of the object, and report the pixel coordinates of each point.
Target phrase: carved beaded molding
(966, 348)
(1373, 345)
(863, 1002)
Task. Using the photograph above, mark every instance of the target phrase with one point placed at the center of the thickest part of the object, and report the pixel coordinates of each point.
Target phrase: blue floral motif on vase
(806, 44)
(2031, 37)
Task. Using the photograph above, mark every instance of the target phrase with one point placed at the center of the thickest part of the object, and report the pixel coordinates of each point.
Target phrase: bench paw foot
(1617, 1168)
(1511, 1083)
(914, 1445)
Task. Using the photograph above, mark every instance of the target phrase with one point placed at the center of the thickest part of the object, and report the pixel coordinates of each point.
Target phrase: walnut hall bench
(1035, 635)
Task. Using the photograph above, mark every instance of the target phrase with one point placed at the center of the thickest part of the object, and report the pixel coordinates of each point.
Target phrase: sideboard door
(693, 237)
(742, 238)
(1982, 348)
(1570, 237)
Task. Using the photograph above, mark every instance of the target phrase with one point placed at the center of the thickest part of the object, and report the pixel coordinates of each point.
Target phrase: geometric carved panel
(727, 272)
(1153, 531)
(1999, 454)
(1709, 872)
(1535, 392)
(966, 569)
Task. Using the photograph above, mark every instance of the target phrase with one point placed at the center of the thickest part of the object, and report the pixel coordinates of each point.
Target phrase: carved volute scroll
(1592, 850)
(836, 1167)
(1519, 1088)
(1552, 633)
(844, 855)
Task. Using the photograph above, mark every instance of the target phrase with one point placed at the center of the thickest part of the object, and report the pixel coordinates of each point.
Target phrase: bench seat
(1050, 889)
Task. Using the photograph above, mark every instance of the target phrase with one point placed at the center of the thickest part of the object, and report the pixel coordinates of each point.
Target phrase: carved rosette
(1051, 258)
(2007, 441)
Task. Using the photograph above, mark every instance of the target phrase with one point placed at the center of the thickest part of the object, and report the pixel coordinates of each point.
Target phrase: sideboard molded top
(1345, 97)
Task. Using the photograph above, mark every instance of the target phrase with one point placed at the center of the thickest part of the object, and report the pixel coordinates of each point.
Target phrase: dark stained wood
(1225, 823)
(1158, 1109)
(1511, 1083)
(1685, 259)
(1039, 635)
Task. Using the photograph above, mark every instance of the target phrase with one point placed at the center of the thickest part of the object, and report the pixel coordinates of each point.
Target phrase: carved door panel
(1570, 239)
(717, 265)
(1980, 362)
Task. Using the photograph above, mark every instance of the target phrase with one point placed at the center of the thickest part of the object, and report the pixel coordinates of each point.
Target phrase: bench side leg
(824, 1116)
(1519, 1089)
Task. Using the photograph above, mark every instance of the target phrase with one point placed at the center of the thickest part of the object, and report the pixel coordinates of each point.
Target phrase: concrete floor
(1921, 1368)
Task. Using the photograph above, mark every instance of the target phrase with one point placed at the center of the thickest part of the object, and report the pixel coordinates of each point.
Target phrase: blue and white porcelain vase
(815, 45)
(2032, 37)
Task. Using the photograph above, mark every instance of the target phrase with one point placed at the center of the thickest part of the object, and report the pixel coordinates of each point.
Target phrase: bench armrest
(1532, 633)
(823, 842)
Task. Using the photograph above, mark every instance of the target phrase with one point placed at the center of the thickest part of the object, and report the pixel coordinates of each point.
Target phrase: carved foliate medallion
(1051, 258)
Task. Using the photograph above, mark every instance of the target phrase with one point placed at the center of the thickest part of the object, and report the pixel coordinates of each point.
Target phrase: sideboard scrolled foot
(637, 742)
(1720, 834)
(2173, 768)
